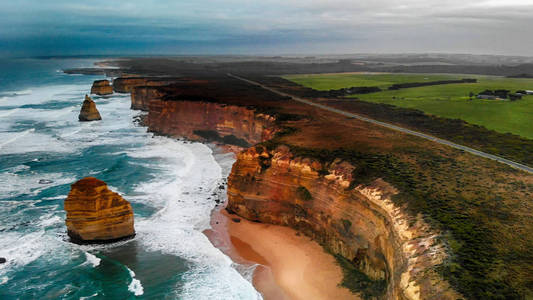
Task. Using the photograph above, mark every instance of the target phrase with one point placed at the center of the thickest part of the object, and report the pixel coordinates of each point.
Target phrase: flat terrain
(449, 100)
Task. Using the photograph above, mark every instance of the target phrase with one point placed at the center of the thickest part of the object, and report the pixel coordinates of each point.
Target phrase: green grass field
(450, 100)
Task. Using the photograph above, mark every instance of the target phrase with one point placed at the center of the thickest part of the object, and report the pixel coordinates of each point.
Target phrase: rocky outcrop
(88, 110)
(96, 214)
(208, 121)
(360, 223)
(101, 87)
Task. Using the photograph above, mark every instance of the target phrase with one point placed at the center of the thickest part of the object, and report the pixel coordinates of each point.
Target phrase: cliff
(127, 84)
(101, 87)
(88, 110)
(359, 223)
(141, 96)
(208, 121)
(366, 193)
(95, 214)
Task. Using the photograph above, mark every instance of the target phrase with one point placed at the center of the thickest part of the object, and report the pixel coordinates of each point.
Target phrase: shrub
(304, 193)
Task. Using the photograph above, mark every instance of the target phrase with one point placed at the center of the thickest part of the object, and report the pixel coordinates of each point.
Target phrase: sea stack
(101, 87)
(88, 111)
(96, 214)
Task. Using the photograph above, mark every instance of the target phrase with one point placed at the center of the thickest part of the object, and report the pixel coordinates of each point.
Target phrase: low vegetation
(358, 282)
(510, 146)
(304, 193)
(451, 101)
(213, 136)
(451, 197)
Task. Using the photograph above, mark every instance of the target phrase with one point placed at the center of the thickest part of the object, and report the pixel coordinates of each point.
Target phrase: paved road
(393, 127)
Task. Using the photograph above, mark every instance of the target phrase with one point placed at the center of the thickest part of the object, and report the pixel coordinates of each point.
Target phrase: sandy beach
(290, 265)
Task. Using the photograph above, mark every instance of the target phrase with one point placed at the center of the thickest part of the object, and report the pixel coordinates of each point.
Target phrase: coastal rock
(88, 111)
(359, 223)
(2, 260)
(96, 214)
(212, 122)
(101, 87)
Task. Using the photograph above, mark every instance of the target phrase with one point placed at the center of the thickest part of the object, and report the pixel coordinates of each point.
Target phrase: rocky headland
(88, 111)
(101, 87)
(96, 214)
(394, 210)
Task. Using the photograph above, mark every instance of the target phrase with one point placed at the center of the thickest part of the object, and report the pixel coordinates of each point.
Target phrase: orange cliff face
(141, 96)
(198, 120)
(101, 87)
(96, 214)
(361, 224)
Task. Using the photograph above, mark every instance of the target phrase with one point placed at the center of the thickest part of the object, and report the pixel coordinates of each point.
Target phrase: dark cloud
(264, 27)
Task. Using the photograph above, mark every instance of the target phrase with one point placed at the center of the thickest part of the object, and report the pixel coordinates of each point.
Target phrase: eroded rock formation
(88, 110)
(198, 120)
(96, 214)
(359, 223)
(101, 87)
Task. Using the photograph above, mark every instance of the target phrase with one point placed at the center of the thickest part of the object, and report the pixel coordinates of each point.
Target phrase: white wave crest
(135, 285)
(92, 259)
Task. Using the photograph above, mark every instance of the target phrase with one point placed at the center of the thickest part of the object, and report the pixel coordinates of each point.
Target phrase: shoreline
(286, 261)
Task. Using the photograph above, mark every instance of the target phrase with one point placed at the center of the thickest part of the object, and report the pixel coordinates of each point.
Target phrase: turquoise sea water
(170, 183)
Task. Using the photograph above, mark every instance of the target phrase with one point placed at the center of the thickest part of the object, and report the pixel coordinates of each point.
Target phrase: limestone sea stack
(96, 214)
(101, 87)
(88, 111)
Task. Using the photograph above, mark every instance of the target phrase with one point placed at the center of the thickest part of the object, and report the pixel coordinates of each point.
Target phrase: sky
(265, 27)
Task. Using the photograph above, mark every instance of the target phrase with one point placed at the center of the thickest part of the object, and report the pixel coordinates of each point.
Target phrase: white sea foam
(14, 184)
(181, 192)
(13, 136)
(40, 95)
(17, 93)
(49, 220)
(135, 285)
(92, 259)
(20, 250)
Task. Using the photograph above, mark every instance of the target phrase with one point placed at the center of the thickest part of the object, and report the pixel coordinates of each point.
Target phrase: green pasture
(449, 100)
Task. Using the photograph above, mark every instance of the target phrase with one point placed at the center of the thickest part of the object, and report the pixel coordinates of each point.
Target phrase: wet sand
(290, 265)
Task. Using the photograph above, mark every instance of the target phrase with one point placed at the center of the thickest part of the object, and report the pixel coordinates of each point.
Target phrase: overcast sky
(72, 27)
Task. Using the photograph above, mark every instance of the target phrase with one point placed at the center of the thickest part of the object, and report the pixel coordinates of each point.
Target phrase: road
(393, 127)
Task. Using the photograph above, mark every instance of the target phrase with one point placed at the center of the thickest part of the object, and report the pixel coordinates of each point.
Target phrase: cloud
(280, 26)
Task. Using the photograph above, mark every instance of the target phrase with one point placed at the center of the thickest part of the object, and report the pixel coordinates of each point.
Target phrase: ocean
(171, 185)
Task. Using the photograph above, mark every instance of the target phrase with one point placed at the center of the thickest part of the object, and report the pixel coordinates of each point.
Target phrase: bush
(304, 193)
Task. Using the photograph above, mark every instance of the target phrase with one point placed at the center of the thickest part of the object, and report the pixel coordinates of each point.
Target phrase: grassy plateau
(448, 100)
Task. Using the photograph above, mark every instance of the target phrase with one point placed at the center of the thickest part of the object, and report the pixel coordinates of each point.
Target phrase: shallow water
(170, 183)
